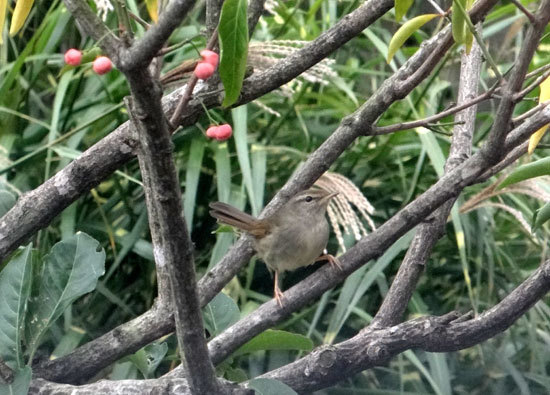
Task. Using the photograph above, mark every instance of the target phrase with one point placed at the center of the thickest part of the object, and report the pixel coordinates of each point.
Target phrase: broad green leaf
(20, 384)
(20, 13)
(233, 35)
(70, 270)
(543, 96)
(7, 200)
(541, 216)
(15, 286)
(406, 31)
(192, 176)
(263, 386)
(220, 313)
(458, 21)
(538, 168)
(149, 358)
(401, 8)
(273, 339)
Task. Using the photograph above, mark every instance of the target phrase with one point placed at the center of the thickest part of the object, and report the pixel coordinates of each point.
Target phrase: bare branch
(329, 364)
(140, 54)
(500, 128)
(525, 11)
(429, 232)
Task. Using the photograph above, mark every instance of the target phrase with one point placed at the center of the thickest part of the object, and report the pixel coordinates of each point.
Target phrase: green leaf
(273, 339)
(540, 216)
(233, 34)
(15, 286)
(7, 200)
(20, 384)
(70, 271)
(538, 168)
(239, 115)
(458, 21)
(220, 313)
(149, 358)
(405, 31)
(264, 386)
(401, 8)
(192, 180)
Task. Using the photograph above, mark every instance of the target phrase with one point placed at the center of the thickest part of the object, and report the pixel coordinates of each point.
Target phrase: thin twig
(378, 130)
(522, 8)
(176, 116)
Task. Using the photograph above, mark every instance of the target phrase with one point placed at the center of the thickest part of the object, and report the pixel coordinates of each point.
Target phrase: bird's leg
(277, 291)
(334, 262)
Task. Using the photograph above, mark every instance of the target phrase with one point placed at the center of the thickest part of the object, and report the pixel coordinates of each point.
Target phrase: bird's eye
(309, 199)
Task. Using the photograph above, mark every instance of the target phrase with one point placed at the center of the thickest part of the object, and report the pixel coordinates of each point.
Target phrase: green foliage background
(38, 106)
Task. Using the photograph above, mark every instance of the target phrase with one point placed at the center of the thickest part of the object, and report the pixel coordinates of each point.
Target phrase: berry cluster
(101, 64)
(206, 67)
(220, 133)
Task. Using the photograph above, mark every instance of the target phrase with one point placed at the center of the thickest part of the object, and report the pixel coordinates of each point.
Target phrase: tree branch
(500, 128)
(351, 128)
(329, 364)
(397, 299)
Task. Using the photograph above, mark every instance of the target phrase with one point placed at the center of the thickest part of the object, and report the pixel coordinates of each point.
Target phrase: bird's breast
(294, 246)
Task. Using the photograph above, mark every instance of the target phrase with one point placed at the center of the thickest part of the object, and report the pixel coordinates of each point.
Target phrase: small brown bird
(293, 237)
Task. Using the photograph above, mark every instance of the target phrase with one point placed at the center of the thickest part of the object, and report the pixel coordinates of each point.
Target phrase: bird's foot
(332, 260)
(279, 296)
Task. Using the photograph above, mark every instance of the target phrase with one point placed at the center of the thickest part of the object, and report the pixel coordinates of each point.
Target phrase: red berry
(224, 132)
(102, 65)
(212, 132)
(204, 70)
(210, 57)
(73, 57)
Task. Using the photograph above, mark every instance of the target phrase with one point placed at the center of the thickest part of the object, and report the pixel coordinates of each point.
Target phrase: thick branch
(330, 364)
(173, 386)
(172, 246)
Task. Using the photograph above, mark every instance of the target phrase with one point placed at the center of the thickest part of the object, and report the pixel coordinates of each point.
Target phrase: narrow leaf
(233, 34)
(20, 13)
(192, 176)
(406, 31)
(70, 271)
(3, 7)
(401, 8)
(152, 9)
(458, 21)
(538, 168)
(540, 216)
(15, 286)
(241, 143)
(543, 96)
